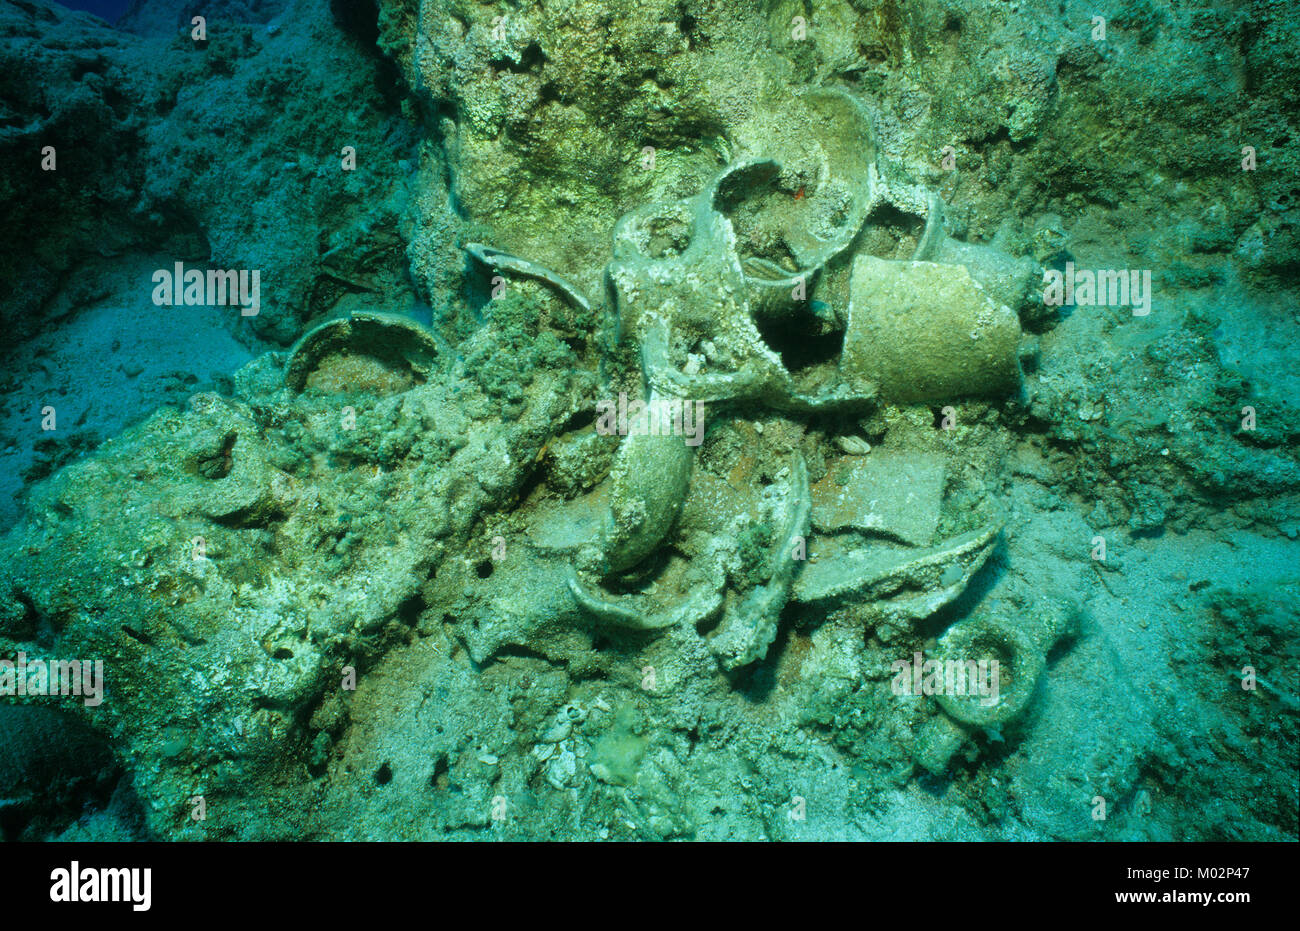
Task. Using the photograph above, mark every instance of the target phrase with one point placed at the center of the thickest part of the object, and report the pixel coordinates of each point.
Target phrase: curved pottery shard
(749, 626)
(680, 596)
(649, 477)
(896, 584)
(367, 350)
(845, 190)
(495, 258)
(812, 190)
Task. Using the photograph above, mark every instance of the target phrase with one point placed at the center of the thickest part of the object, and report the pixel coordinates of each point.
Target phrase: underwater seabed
(649, 422)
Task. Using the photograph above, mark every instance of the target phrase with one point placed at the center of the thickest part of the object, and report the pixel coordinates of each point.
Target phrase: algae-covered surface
(650, 419)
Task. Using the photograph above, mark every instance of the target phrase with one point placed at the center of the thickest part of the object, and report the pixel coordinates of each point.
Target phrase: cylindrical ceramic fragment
(923, 332)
